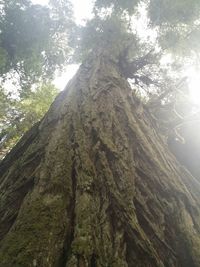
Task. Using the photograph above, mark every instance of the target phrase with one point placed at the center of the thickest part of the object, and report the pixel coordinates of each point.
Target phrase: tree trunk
(94, 184)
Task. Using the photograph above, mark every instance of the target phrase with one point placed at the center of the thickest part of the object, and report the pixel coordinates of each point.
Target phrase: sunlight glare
(62, 79)
(194, 85)
(82, 9)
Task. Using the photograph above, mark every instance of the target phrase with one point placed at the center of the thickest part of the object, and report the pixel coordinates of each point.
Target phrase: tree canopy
(36, 40)
(33, 38)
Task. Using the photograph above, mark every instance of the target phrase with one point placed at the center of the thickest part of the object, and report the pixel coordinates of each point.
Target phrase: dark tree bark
(94, 184)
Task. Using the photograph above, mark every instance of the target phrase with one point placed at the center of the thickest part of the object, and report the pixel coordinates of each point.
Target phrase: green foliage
(173, 11)
(118, 6)
(33, 39)
(3, 60)
(111, 33)
(18, 115)
(177, 24)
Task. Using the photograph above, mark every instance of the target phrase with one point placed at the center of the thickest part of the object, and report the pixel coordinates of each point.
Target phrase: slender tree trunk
(94, 184)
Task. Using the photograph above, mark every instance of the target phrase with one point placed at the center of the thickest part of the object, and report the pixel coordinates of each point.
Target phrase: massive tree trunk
(94, 184)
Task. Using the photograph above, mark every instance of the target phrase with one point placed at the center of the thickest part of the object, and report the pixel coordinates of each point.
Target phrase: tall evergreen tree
(34, 42)
(94, 183)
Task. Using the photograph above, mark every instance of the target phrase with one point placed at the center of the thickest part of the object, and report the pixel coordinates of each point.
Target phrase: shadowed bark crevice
(67, 251)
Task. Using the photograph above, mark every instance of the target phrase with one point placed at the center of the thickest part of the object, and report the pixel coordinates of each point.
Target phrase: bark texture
(94, 184)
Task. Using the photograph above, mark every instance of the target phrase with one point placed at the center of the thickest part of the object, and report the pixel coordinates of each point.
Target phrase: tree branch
(130, 68)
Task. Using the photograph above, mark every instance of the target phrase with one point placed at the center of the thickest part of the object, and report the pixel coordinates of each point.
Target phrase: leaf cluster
(18, 115)
(33, 38)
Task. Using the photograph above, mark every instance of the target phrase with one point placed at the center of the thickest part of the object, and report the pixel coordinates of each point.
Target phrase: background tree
(94, 183)
(34, 39)
(34, 42)
(18, 115)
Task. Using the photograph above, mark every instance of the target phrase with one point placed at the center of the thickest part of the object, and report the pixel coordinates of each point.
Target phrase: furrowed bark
(95, 185)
